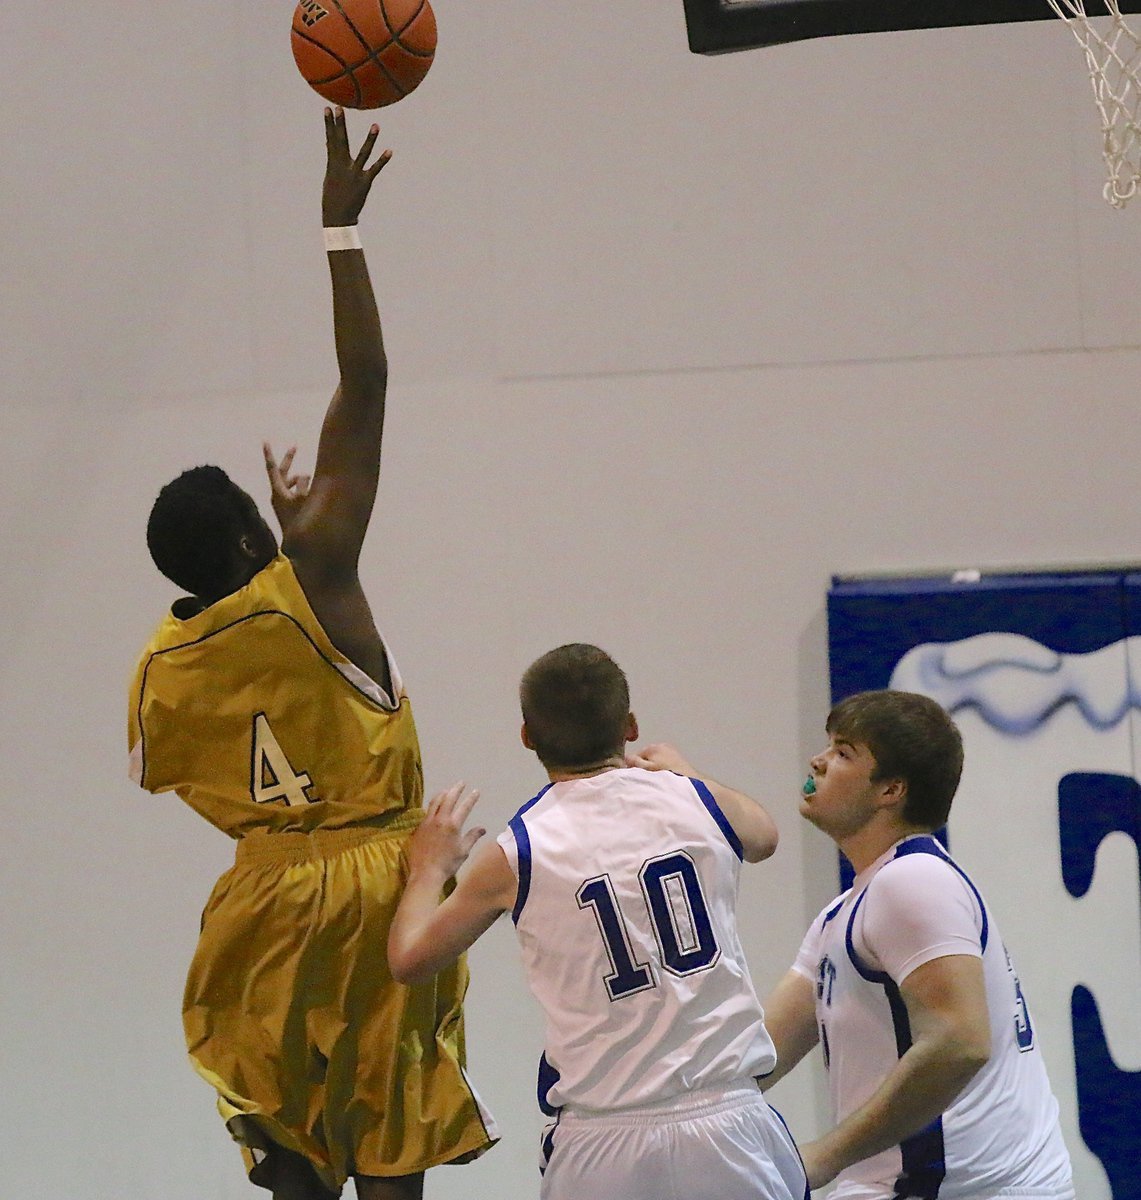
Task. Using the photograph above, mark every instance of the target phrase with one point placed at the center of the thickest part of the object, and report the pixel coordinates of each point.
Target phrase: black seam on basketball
(372, 55)
(395, 34)
(346, 69)
(371, 52)
(321, 46)
(375, 60)
(359, 36)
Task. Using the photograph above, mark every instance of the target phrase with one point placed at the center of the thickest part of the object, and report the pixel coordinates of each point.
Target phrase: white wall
(673, 340)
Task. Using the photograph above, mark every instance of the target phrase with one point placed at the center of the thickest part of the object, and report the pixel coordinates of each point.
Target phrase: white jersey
(625, 913)
(1001, 1136)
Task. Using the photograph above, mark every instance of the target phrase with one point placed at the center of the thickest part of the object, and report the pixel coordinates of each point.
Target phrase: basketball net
(1113, 60)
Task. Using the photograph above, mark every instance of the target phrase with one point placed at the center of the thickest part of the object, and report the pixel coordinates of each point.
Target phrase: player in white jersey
(938, 1087)
(621, 876)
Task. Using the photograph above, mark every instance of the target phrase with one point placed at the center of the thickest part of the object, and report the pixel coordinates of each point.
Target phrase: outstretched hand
(440, 841)
(288, 489)
(347, 178)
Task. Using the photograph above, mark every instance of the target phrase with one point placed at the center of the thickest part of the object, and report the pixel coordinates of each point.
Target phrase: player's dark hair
(911, 738)
(575, 703)
(194, 524)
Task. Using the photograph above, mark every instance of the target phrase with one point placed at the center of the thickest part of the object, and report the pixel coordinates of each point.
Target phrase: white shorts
(714, 1144)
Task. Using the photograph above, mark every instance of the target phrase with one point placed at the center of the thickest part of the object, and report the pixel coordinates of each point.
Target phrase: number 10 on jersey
(679, 916)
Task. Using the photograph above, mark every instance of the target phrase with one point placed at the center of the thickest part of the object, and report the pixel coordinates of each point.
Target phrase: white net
(1113, 55)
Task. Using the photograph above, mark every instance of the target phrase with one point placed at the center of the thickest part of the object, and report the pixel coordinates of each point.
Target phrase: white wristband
(342, 237)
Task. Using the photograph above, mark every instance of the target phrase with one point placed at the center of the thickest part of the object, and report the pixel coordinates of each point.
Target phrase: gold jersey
(251, 715)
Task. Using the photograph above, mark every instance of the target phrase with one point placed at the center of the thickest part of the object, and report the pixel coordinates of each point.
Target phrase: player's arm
(324, 522)
(947, 1011)
(427, 935)
(754, 827)
(790, 1018)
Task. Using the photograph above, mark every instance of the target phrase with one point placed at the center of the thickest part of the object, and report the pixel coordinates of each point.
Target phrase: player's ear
(525, 737)
(631, 727)
(895, 792)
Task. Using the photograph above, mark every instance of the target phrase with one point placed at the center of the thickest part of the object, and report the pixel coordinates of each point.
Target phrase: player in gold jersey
(268, 701)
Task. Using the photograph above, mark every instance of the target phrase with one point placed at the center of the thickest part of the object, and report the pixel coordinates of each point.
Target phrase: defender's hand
(440, 842)
(347, 179)
(288, 490)
(659, 756)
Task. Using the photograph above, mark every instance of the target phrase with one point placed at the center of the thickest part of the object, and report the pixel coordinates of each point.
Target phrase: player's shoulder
(920, 854)
(919, 863)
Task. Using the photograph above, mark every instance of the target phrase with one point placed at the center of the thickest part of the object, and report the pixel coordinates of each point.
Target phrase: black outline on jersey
(648, 967)
(265, 612)
(673, 916)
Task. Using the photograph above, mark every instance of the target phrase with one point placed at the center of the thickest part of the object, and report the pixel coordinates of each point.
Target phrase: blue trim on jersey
(928, 845)
(523, 851)
(547, 1145)
(924, 1164)
(807, 1189)
(716, 813)
(923, 1155)
(866, 972)
(548, 1077)
(834, 910)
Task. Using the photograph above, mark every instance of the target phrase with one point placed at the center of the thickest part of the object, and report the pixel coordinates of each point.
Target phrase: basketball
(364, 53)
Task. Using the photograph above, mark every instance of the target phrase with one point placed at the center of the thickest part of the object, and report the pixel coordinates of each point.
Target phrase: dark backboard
(722, 26)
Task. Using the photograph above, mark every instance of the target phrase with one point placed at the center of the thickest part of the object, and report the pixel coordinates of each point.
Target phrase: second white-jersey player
(938, 1087)
(912, 905)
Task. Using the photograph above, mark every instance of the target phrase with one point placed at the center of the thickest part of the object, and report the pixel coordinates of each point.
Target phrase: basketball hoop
(1113, 59)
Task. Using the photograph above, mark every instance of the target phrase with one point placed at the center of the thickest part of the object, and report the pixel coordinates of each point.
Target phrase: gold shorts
(291, 1015)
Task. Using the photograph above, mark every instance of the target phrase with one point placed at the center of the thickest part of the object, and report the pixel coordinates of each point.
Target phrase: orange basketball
(364, 53)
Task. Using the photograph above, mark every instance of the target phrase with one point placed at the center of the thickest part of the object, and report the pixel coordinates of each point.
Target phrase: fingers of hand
(450, 809)
(470, 838)
(336, 134)
(464, 806)
(273, 470)
(660, 752)
(442, 803)
(379, 165)
(366, 148)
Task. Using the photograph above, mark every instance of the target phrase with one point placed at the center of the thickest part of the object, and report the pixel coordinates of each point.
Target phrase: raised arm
(751, 823)
(324, 523)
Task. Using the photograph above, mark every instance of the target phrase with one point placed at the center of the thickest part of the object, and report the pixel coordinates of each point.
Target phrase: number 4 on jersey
(271, 776)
